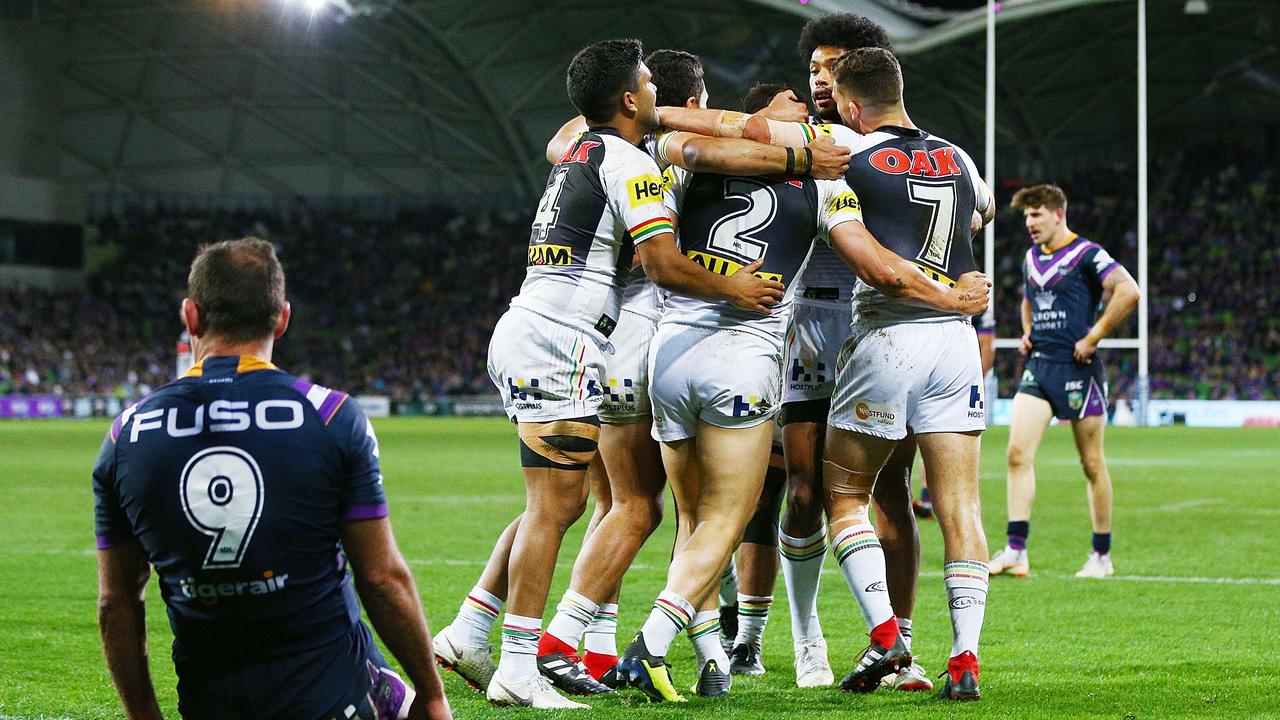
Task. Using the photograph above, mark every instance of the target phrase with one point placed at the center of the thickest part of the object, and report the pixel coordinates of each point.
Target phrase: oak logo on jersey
(578, 152)
(920, 163)
(845, 201)
(722, 266)
(644, 189)
(550, 255)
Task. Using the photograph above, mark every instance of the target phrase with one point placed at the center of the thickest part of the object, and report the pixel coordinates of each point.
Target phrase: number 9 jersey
(235, 479)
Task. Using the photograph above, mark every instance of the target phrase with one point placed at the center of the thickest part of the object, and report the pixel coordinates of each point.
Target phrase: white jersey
(603, 198)
(727, 222)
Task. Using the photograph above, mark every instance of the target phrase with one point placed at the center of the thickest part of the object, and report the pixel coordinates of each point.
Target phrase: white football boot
(473, 664)
(812, 667)
(532, 692)
(1097, 566)
(1010, 562)
(911, 679)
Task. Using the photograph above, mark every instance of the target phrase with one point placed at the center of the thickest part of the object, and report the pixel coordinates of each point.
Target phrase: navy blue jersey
(235, 480)
(1064, 288)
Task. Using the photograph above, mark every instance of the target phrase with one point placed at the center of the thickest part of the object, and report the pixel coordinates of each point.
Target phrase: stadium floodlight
(1196, 7)
(316, 6)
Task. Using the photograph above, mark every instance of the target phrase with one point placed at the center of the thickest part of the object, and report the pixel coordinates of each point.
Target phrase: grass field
(1189, 628)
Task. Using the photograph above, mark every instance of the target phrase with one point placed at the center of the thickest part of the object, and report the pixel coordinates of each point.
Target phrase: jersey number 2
(735, 233)
(222, 497)
(940, 198)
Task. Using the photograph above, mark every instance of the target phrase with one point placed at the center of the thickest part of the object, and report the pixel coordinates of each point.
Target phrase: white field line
(565, 565)
(1177, 506)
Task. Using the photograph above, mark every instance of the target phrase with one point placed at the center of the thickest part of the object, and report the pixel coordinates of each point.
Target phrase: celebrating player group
(747, 306)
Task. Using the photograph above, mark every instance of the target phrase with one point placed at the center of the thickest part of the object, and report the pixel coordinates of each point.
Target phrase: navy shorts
(1074, 391)
(347, 679)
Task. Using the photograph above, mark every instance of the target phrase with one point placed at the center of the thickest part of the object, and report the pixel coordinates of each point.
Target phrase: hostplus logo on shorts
(976, 404)
(620, 392)
(808, 373)
(751, 406)
(874, 413)
(526, 394)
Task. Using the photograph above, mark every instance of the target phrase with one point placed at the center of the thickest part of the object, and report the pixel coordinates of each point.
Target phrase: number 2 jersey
(235, 480)
(602, 198)
(727, 222)
(918, 193)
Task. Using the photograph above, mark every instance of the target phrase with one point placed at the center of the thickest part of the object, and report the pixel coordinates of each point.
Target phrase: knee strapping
(840, 480)
(561, 444)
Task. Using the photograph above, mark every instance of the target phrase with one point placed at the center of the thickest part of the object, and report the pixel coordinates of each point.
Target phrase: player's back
(918, 193)
(728, 222)
(597, 204)
(235, 480)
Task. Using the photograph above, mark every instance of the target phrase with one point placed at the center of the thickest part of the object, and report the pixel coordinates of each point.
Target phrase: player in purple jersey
(250, 492)
(1066, 278)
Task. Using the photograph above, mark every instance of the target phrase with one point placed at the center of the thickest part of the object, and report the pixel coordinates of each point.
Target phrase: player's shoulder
(150, 402)
(332, 406)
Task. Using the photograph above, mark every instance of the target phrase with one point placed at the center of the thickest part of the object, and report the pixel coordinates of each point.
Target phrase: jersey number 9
(222, 497)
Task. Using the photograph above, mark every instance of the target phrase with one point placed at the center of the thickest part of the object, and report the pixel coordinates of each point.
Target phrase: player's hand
(830, 161)
(424, 708)
(1024, 349)
(786, 108)
(754, 293)
(1085, 349)
(972, 293)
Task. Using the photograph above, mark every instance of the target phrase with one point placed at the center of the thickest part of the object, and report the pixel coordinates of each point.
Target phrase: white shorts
(626, 378)
(725, 378)
(922, 375)
(813, 344)
(544, 370)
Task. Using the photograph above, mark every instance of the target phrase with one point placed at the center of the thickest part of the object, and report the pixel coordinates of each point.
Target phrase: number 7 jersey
(918, 193)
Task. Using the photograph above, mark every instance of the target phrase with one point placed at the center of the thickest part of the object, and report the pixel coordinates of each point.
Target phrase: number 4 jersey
(604, 197)
(235, 480)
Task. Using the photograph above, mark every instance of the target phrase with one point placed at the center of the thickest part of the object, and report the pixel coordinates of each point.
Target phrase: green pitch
(1190, 628)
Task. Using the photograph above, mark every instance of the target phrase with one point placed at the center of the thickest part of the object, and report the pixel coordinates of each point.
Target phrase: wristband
(808, 158)
(791, 162)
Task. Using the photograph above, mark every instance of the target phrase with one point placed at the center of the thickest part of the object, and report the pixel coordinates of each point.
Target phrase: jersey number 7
(940, 198)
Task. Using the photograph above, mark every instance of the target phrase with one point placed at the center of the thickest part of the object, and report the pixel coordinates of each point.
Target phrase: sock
(574, 613)
(904, 627)
(671, 614)
(862, 563)
(1102, 543)
(802, 569)
(966, 582)
(476, 617)
(729, 585)
(519, 647)
(753, 615)
(704, 633)
(1019, 531)
(600, 641)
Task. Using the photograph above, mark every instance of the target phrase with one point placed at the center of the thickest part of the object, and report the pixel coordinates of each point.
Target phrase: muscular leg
(896, 527)
(1030, 416)
(952, 461)
(1088, 435)
(554, 499)
(803, 545)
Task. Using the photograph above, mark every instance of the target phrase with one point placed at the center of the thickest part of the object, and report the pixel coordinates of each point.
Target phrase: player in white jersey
(715, 373)
(464, 646)
(820, 324)
(602, 203)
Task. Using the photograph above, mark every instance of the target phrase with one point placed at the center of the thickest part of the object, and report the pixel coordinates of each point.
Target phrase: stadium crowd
(403, 305)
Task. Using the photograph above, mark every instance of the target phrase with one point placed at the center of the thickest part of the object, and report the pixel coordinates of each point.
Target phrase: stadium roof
(456, 98)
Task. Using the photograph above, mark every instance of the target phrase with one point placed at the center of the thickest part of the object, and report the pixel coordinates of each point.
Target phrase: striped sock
(671, 614)
(574, 613)
(904, 627)
(966, 582)
(704, 633)
(802, 570)
(753, 615)
(476, 617)
(519, 647)
(729, 585)
(601, 641)
(861, 562)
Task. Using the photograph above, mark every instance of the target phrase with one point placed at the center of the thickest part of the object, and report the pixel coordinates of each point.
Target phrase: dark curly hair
(849, 31)
(677, 75)
(600, 73)
(761, 94)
